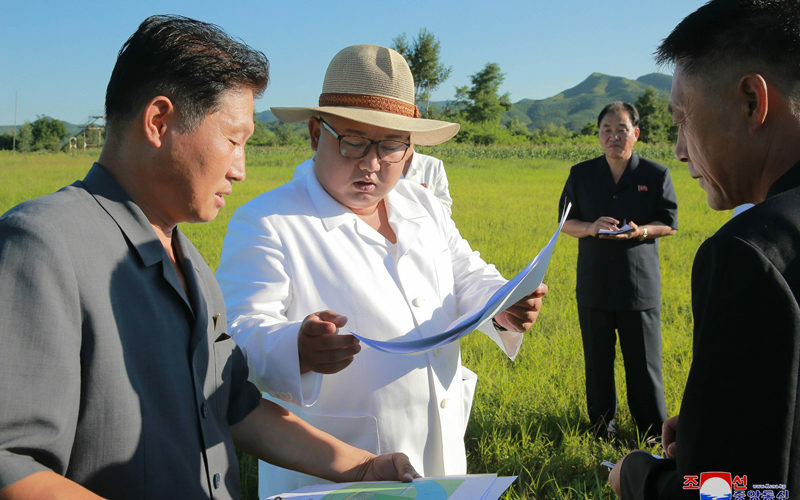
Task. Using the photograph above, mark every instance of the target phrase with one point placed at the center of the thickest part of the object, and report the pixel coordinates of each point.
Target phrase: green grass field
(529, 416)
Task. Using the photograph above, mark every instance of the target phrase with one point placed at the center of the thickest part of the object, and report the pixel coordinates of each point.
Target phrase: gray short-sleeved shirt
(111, 374)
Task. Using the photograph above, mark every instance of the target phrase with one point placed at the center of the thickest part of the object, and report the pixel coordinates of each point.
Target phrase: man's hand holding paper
(522, 315)
(605, 225)
(516, 303)
(628, 231)
(321, 348)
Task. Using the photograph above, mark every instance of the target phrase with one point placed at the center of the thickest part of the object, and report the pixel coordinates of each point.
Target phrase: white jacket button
(444, 402)
(418, 302)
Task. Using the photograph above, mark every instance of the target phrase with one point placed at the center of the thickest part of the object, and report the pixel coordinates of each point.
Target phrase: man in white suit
(428, 171)
(352, 243)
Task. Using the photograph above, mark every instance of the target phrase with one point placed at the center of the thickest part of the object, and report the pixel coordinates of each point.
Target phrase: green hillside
(574, 107)
(265, 116)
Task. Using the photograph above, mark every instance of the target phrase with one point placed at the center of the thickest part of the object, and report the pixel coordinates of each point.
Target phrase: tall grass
(529, 417)
(29, 175)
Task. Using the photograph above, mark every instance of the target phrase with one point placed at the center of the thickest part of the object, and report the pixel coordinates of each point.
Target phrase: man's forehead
(677, 93)
(617, 118)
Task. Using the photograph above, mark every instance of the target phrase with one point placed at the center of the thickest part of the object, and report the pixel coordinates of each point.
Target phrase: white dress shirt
(294, 251)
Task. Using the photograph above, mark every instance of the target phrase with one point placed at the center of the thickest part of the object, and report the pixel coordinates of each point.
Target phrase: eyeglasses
(355, 147)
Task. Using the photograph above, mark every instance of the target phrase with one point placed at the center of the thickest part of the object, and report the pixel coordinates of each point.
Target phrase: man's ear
(159, 115)
(636, 133)
(754, 93)
(314, 130)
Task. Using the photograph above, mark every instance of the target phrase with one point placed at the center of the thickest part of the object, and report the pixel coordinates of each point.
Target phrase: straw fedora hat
(373, 85)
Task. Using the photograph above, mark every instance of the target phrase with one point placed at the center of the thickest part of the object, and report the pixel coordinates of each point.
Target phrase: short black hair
(756, 35)
(189, 61)
(618, 107)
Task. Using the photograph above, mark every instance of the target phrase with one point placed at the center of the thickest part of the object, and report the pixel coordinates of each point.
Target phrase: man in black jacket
(736, 97)
(618, 284)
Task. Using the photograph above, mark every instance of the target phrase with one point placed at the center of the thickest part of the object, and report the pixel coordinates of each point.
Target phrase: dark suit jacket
(110, 374)
(740, 408)
(619, 275)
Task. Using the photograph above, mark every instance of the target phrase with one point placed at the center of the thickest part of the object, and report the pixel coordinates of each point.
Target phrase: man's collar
(633, 163)
(125, 213)
(403, 206)
(790, 179)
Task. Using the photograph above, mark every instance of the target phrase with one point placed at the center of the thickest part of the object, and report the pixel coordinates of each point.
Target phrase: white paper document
(468, 487)
(623, 229)
(520, 286)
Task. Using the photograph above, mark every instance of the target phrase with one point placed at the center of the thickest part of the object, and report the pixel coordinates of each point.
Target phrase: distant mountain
(73, 128)
(265, 116)
(658, 80)
(574, 107)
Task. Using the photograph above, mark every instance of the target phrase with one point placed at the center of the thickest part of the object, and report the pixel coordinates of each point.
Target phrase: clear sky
(56, 56)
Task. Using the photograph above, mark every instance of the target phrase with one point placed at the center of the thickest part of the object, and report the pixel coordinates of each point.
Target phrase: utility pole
(14, 140)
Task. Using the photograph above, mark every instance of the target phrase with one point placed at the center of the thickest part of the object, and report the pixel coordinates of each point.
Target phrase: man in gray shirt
(117, 375)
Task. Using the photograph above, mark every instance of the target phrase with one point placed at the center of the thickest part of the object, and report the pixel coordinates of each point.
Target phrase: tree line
(478, 107)
(44, 134)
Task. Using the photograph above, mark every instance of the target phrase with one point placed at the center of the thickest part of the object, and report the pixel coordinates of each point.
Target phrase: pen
(611, 465)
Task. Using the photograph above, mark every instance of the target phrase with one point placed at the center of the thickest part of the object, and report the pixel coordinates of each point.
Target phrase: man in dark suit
(735, 97)
(117, 375)
(618, 284)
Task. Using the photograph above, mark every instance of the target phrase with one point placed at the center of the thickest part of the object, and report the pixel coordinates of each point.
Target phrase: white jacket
(428, 171)
(295, 250)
